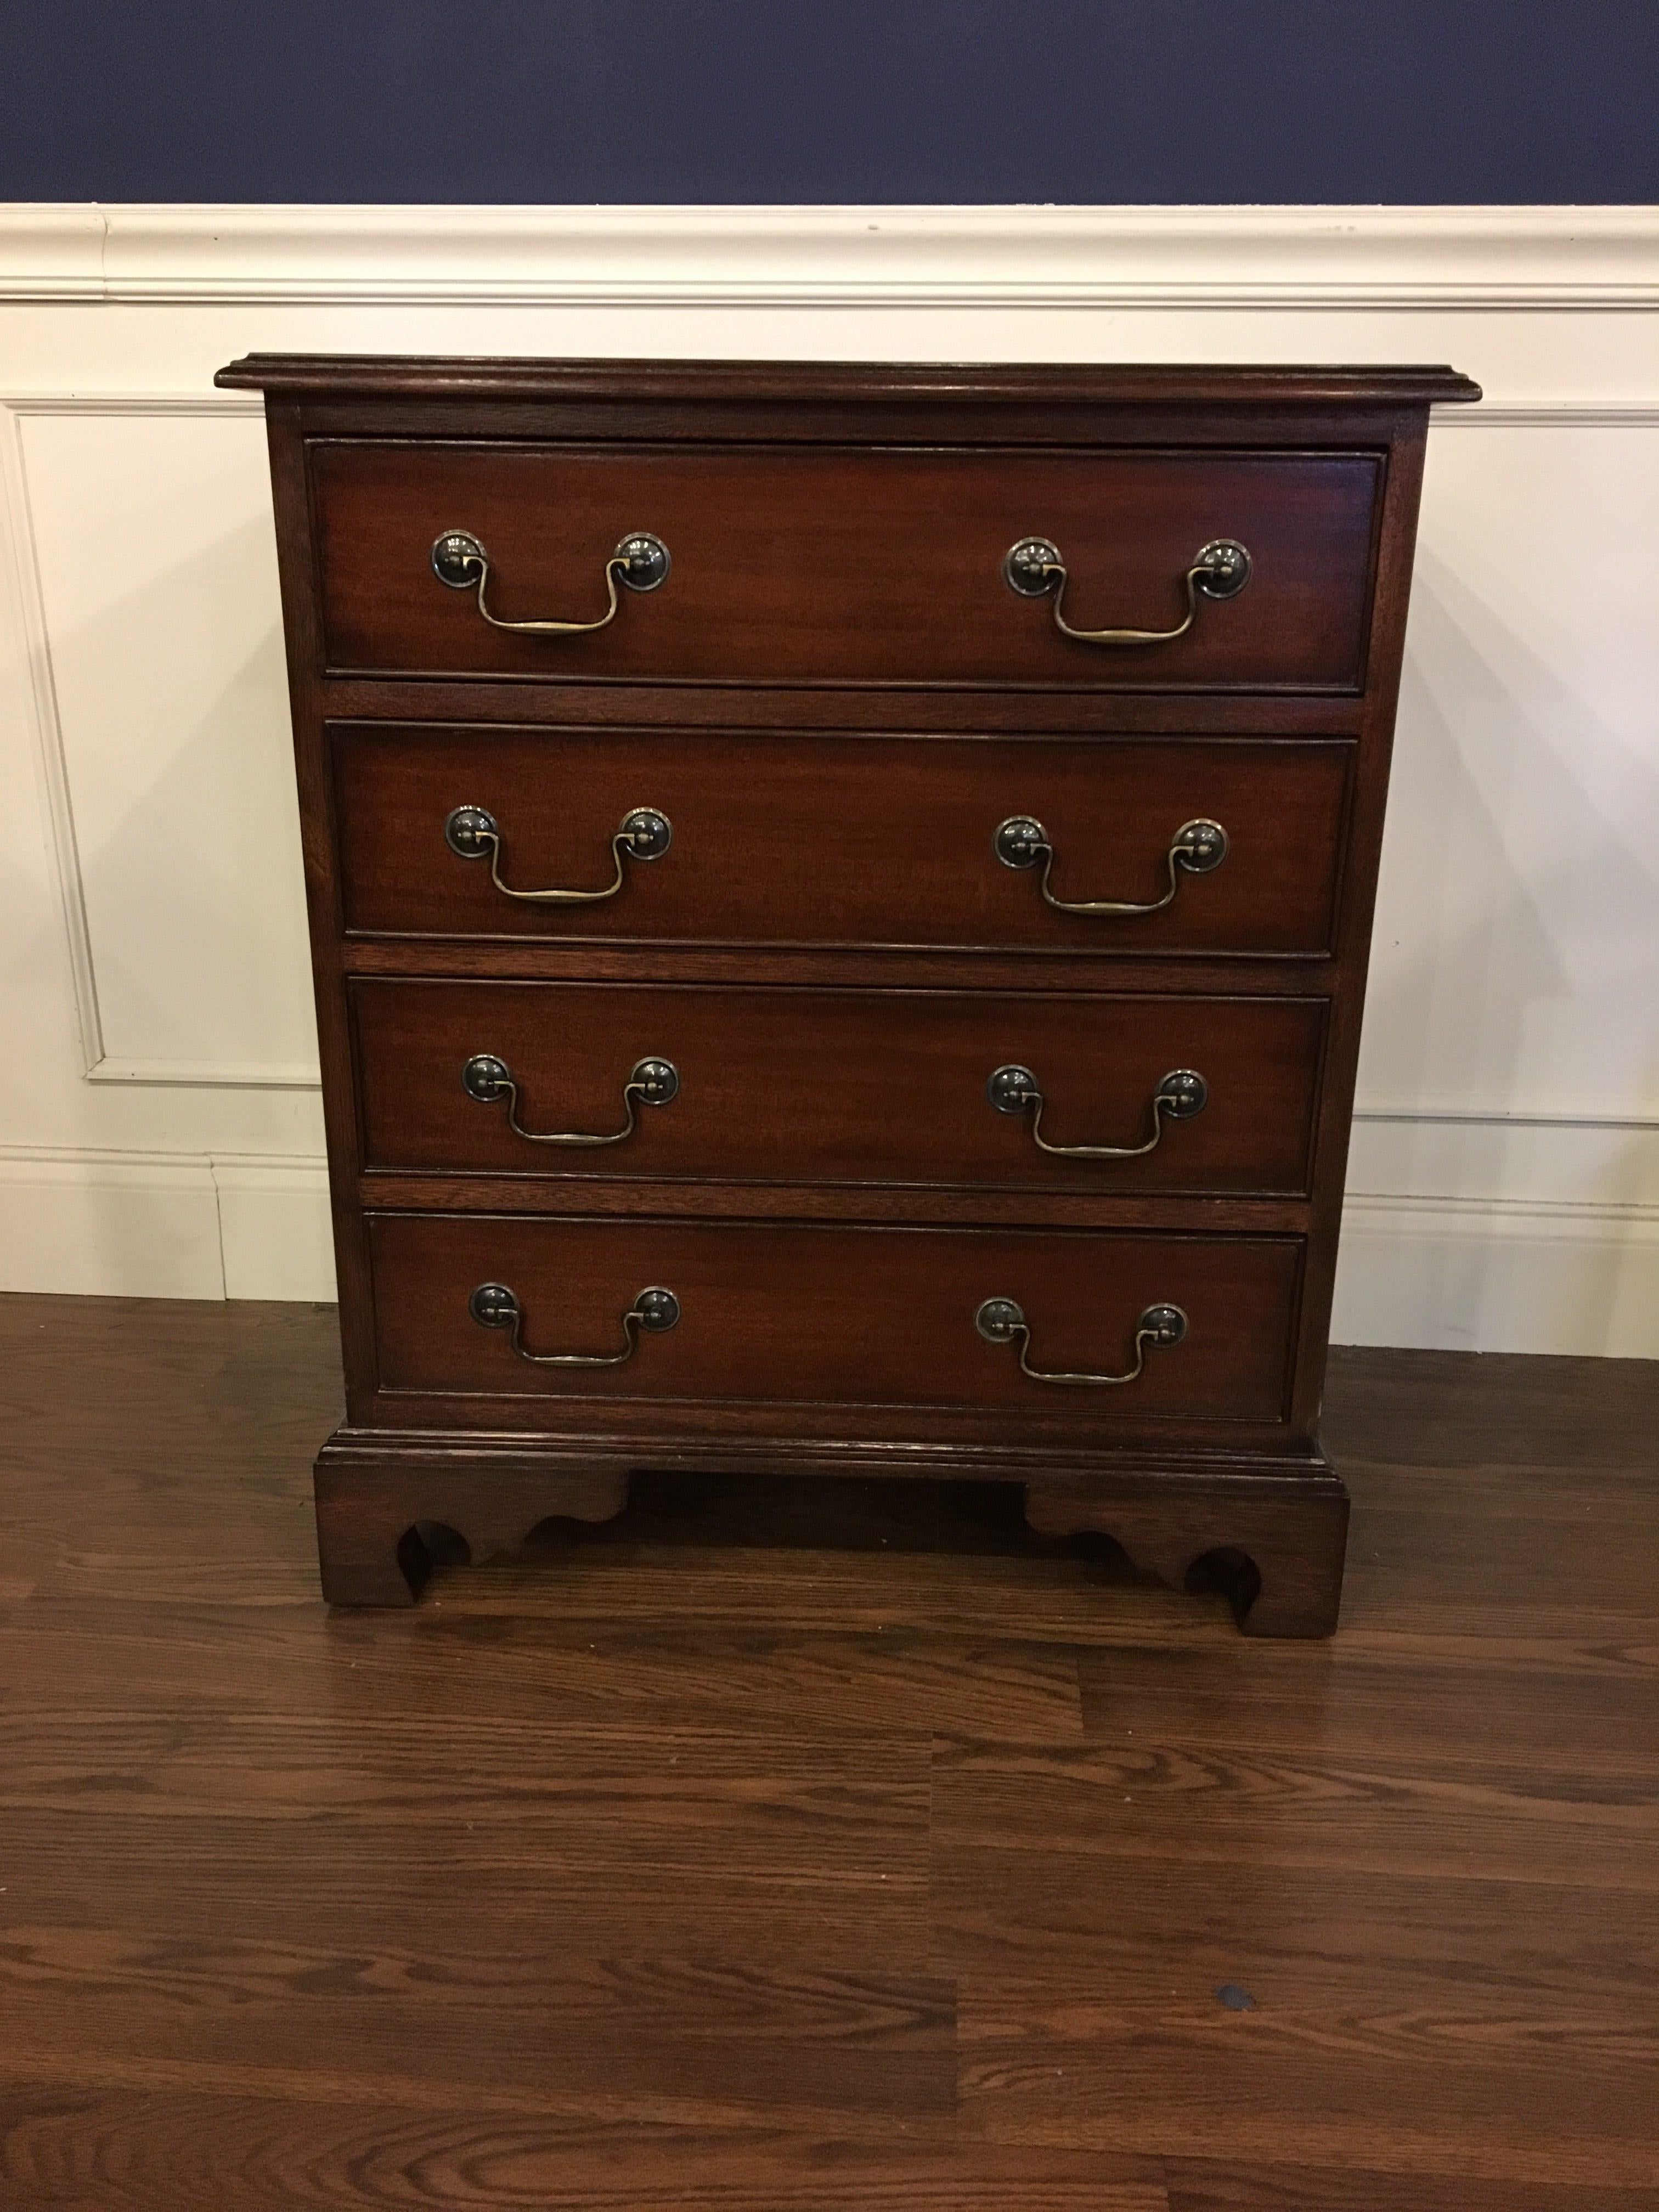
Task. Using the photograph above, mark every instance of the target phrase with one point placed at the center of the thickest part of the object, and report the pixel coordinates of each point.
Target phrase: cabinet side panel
(1396, 544)
(300, 621)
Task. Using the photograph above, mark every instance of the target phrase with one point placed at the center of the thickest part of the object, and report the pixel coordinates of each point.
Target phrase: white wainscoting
(160, 1130)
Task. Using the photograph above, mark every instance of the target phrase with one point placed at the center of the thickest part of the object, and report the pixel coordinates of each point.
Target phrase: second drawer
(1109, 847)
(1190, 1094)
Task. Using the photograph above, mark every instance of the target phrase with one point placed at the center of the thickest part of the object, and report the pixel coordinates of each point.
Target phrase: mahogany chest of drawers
(839, 899)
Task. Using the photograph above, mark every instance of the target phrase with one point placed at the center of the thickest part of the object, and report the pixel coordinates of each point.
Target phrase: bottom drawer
(833, 1315)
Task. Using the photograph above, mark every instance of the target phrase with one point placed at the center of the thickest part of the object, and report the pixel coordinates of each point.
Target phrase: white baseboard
(1473, 1275)
(274, 1231)
(1500, 1275)
(164, 1224)
(117, 1224)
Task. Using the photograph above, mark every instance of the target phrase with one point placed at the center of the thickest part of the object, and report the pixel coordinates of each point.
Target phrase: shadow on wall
(1520, 896)
(1518, 907)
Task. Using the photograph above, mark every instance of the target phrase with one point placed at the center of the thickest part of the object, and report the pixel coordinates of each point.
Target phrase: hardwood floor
(890, 1856)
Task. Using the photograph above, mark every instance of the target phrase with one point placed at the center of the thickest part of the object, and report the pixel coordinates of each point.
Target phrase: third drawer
(1191, 1093)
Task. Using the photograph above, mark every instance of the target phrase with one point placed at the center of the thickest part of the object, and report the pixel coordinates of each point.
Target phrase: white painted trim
(1632, 1222)
(119, 1163)
(1535, 415)
(111, 1223)
(1410, 258)
(211, 1074)
(205, 402)
(1550, 415)
(57, 244)
(146, 1224)
(1499, 1117)
(1500, 1275)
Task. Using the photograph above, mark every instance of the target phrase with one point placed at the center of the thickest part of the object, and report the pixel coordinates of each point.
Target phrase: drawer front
(795, 567)
(818, 1086)
(840, 840)
(825, 1315)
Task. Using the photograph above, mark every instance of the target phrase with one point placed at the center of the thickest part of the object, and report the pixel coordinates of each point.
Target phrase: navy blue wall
(1410, 100)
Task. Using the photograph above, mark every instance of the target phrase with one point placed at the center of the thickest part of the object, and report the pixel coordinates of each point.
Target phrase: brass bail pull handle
(473, 834)
(1197, 846)
(487, 1079)
(1000, 1321)
(1035, 570)
(493, 1305)
(641, 560)
(1180, 1094)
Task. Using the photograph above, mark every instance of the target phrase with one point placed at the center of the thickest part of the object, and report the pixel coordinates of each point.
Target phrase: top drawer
(794, 566)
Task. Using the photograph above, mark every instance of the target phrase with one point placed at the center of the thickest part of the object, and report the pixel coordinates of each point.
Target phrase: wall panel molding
(1563, 414)
(1550, 414)
(69, 401)
(209, 1074)
(1505, 1169)
(1409, 259)
(1503, 1117)
(29, 603)
(100, 1066)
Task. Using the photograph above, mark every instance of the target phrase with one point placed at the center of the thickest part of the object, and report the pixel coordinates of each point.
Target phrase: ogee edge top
(415, 376)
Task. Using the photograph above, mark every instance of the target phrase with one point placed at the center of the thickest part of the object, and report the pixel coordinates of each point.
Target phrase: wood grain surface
(873, 840)
(874, 566)
(834, 698)
(816, 1847)
(1185, 391)
(855, 1087)
(839, 1314)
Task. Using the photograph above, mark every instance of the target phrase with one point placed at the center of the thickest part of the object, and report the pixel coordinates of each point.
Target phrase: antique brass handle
(487, 1077)
(1196, 847)
(1000, 1321)
(640, 562)
(1180, 1094)
(644, 834)
(492, 1305)
(1220, 570)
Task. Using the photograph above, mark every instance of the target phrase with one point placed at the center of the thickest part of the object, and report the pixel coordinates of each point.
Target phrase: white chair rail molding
(160, 1128)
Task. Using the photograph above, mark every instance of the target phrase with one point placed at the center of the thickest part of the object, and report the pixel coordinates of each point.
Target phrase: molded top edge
(395, 376)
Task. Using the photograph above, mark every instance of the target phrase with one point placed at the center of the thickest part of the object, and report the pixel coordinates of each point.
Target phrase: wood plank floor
(804, 1849)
